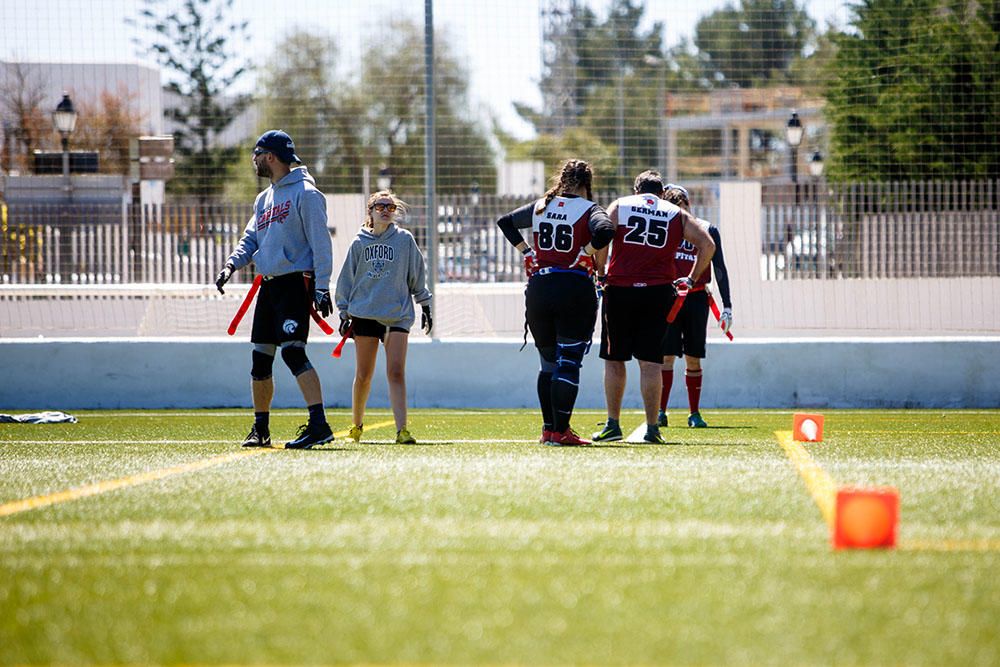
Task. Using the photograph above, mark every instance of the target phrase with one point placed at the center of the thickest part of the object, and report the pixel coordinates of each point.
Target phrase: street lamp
(384, 179)
(816, 164)
(474, 194)
(64, 119)
(793, 133)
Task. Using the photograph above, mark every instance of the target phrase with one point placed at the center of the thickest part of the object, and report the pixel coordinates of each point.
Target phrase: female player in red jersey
(567, 228)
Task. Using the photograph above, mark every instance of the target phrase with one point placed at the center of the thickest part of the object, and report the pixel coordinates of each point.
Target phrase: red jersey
(560, 230)
(685, 258)
(648, 236)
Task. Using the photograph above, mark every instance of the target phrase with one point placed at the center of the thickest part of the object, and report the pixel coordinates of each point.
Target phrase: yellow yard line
(105, 486)
(950, 545)
(113, 484)
(821, 486)
(824, 492)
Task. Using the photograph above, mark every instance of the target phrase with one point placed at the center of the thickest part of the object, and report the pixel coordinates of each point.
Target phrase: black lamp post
(793, 133)
(816, 164)
(384, 179)
(64, 120)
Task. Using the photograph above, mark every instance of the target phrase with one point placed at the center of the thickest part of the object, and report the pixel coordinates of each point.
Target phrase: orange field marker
(807, 427)
(866, 518)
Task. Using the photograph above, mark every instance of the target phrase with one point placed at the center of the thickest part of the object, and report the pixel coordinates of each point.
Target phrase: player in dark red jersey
(567, 229)
(648, 232)
(688, 332)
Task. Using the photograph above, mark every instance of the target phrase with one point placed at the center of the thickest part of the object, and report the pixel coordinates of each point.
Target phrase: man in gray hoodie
(287, 240)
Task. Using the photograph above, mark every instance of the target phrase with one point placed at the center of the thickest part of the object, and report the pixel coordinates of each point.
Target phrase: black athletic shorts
(561, 305)
(373, 328)
(633, 322)
(687, 333)
(282, 310)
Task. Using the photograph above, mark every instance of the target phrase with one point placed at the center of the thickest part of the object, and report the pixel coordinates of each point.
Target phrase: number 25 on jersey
(643, 231)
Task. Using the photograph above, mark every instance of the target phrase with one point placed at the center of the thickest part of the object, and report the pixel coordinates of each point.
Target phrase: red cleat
(567, 438)
(546, 437)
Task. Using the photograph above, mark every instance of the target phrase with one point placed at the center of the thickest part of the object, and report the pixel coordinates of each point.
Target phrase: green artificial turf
(483, 547)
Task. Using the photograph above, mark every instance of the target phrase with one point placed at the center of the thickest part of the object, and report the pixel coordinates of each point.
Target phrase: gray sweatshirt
(287, 232)
(379, 277)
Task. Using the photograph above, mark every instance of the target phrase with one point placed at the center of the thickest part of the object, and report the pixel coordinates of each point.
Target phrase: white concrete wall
(884, 306)
(197, 373)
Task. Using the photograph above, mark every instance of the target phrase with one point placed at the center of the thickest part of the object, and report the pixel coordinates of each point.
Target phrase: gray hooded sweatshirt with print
(380, 275)
(287, 231)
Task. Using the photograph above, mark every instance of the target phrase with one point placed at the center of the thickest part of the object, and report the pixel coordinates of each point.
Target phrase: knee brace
(263, 362)
(547, 359)
(293, 353)
(569, 360)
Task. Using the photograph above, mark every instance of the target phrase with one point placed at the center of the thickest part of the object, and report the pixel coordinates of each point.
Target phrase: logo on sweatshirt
(377, 255)
(274, 213)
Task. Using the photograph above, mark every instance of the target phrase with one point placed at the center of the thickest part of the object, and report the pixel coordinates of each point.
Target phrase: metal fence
(881, 230)
(108, 244)
(891, 230)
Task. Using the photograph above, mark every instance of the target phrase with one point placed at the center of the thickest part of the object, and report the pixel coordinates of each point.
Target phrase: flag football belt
(252, 292)
(682, 292)
(558, 269)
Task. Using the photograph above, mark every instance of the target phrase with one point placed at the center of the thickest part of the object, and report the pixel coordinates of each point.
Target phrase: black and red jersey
(686, 257)
(560, 230)
(648, 235)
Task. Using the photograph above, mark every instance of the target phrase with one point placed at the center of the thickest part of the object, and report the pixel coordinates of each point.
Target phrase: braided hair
(573, 174)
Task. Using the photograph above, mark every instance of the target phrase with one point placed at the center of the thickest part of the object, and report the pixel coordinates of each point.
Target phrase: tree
(194, 45)
(22, 96)
(620, 74)
(915, 92)
(392, 94)
(552, 149)
(107, 127)
(323, 113)
(753, 44)
(375, 120)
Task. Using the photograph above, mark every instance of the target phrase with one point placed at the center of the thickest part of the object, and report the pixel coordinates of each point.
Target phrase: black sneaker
(612, 433)
(255, 439)
(311, 435)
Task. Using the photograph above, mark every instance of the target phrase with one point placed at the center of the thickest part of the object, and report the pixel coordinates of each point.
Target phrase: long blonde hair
(573, 174)
(400, 207)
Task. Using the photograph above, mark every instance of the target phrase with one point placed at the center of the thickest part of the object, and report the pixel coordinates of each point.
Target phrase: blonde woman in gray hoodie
(383, 274)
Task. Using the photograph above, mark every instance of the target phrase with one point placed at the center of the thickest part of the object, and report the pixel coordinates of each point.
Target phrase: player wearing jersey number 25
(561, 303)
(648, 232)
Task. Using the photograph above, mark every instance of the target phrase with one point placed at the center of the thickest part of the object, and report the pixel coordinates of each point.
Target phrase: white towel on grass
(38, 418)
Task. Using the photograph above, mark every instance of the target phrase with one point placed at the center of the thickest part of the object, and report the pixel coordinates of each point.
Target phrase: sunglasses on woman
(384, 207)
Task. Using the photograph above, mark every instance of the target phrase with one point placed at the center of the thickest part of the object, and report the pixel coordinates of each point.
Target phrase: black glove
(345, 323)
(224, 275)
(323, 304)
(426, 321)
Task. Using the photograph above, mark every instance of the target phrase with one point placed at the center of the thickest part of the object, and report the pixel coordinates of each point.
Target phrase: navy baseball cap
(279, 143)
